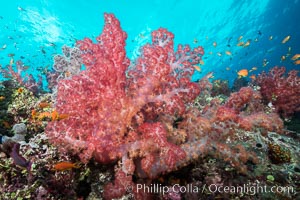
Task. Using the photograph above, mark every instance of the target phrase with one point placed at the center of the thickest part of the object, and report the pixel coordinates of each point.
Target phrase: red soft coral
(283, 91)
(114, 107)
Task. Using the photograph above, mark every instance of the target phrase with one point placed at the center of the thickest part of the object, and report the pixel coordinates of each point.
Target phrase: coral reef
(117, 111)
(119, 124)
(282, 90)
(28, 81)
(220, 87)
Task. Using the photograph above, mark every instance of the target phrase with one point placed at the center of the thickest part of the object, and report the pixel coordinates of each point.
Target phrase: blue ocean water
(35, 30)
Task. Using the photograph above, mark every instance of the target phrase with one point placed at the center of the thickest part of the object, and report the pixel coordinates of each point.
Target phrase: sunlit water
(35, 30)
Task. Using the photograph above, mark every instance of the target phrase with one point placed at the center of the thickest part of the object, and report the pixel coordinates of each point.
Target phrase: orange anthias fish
(240, 44)
(40, 116)
(295, 57)
(228, 53)
(63, 166)
(297, 62)
(197, 68)
(253, 77)
(20, 90)
(214, 44)
(243, 73)
(56, 116)
(247, 44)
(44, 105)
(33, 114)
(287, 38)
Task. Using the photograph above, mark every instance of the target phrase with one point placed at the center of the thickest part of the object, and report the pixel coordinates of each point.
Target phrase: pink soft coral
(113, 109)
(283, 91)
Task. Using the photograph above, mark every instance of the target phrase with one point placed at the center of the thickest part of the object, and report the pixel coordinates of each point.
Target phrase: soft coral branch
(28, 81)
(281, 89)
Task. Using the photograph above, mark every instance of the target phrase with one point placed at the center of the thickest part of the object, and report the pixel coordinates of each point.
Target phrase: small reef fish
(44, 105)
(195, 41)
(243, 73)
(228, 53)
(2, 98)
(63, 166)
(197, 68)
(265, 62)
(295, 57)
(215, 44)
(247, 44)
(33, 113)
(227, 68)
(11, 61)
(282, 58)
(210, 75)
(54, 115)
(4, 46)
(21, 9)
(241, 37)
(240, 44)
(271, 37)
(10, 55)
(259, 32)
(253, 77)
(287, 38)
(253, 69)
(20, 90)
(25, 67)
(201, 62)
(297, 62)
(42, 116)
(52, 44)
(219, 54)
